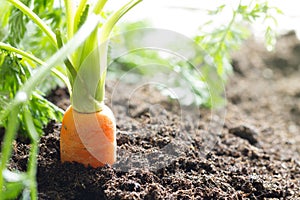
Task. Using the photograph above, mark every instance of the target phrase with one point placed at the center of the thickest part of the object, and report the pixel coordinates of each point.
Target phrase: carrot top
(87, 66)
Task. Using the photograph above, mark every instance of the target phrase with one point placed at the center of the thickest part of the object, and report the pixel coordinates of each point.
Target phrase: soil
(254, 155)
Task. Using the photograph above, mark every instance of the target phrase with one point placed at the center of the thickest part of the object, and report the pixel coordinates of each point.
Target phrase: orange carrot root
(88, 138)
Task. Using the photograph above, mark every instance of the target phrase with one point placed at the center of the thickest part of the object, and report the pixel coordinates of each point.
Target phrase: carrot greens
(13, 74)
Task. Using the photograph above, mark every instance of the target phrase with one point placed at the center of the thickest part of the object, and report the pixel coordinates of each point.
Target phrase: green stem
(221, 42)
(33, 169)
(20, 52)
(109, 25)
(32, 163)
(67, 62)
(106, 30)
(36, 19)
(78, 14)
(9, 136)
(228, 28)
(99, 6)
(31, 57)
(70, 17)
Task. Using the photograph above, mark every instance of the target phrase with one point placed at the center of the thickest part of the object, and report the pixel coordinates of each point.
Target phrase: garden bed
(255, 156)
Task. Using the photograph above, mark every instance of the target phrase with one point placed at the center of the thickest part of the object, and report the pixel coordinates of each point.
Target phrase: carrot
(88, 132)
(88, 138)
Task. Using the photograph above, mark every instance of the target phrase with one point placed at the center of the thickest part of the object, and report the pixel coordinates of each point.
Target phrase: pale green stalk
(32, 168)
(91, 42)
(9, 136)
(106, 30)
(70, 17)
(38, 21)
(91, 64)
(111, 22)
(99, 6)
(78, 13)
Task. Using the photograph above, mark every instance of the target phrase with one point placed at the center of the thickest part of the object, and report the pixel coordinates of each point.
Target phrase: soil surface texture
(253, 154)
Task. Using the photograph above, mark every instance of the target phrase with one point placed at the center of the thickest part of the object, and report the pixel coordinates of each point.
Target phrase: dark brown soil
(162, 156)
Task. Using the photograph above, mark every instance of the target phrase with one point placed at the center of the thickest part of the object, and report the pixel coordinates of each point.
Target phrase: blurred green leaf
(12, 190)
(14, 184)
(217, 10)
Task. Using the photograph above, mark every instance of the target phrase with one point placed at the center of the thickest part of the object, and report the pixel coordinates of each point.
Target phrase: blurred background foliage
(217, 40)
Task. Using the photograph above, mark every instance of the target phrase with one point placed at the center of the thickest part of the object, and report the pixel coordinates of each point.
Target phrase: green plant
(219, 42)
(82, 39)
